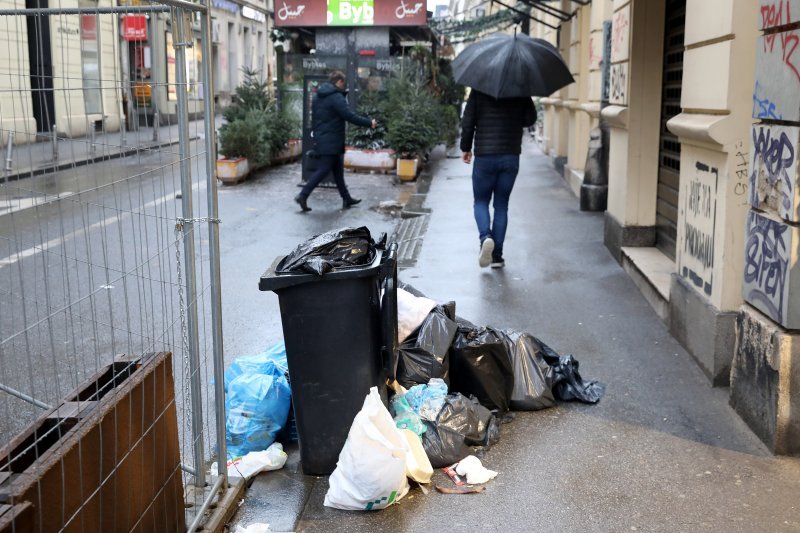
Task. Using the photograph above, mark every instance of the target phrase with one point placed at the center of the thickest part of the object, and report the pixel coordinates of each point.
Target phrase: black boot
(301, 201)
(347, 203)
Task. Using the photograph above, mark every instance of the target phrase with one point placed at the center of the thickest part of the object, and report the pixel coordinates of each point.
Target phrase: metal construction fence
(111, 401)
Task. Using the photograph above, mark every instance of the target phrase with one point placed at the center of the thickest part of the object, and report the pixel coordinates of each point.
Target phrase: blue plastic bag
(404, 415)
(427, 400)
(256, 364)
(256, 407)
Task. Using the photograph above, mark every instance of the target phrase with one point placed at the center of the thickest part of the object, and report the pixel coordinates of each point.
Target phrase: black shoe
(350, 202)
(302, 203)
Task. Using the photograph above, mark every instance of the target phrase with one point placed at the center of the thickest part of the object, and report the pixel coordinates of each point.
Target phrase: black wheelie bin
(340, 331)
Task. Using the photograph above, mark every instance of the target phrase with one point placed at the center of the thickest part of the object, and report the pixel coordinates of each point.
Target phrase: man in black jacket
(496, 127)
(329, 113)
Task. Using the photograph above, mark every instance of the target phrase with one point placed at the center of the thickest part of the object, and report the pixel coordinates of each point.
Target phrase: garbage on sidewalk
(461, 425)
(424, 353)
(273, 458)
(371, 472)
(475, 472)
(453, 382)
(257, 398)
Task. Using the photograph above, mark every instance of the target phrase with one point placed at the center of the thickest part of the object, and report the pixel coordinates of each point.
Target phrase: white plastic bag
(411, 311)
(371, 472)
(471, 467)
(273, 458)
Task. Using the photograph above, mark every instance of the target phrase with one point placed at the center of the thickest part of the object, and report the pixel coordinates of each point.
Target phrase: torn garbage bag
(533, 376)
(480, 366)
(461, 423)
(423, 354)
(346, 247)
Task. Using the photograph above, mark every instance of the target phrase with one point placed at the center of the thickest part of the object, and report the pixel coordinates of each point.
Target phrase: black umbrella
(507, 66)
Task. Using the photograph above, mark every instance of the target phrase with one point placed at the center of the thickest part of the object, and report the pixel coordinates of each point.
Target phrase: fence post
(179, 25)
(213, 243)
(9, 149)
(55, 143)
(157, 119)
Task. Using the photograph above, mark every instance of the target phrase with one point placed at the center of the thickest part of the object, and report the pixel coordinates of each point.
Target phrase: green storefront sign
(351, 12)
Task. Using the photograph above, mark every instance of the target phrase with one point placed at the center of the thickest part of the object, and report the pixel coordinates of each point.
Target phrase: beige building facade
(77, 54)
(696, 105)
(703, 121)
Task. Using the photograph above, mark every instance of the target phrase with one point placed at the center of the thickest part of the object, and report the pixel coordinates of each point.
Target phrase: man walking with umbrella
(496, 127)
(503, 71)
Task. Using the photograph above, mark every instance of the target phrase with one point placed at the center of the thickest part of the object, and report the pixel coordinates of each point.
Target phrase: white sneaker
(487, 247)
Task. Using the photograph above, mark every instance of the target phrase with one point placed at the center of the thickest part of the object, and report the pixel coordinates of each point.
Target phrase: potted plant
(254, 130)
(413, 124)
(367, 147)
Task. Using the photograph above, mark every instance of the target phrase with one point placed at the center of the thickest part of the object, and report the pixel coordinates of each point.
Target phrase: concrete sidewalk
(662, 451)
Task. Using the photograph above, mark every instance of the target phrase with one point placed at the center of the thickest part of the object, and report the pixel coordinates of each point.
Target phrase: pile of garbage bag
(503, 369)
(454, 382)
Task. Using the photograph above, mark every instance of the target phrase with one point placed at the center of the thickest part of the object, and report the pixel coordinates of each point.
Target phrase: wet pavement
(662, 451)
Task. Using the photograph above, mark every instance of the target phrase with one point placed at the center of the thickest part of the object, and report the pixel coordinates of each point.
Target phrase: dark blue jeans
(493, 176)
(325, 164)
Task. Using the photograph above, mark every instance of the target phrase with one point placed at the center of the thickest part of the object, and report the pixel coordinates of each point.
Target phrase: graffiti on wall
(766, 264)
(620, 34)
(763, 107)
(618, 87)
(775, 13)
(773, 165)
(595, 51)
(699, 220)
(776, 94)
(740, 166)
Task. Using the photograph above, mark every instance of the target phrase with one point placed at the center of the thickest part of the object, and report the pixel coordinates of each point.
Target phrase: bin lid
(275, 281)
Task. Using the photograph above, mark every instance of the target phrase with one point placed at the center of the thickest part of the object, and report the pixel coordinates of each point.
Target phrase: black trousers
(325, 164)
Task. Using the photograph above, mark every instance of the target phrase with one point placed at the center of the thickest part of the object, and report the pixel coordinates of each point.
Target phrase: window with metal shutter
(669, 166)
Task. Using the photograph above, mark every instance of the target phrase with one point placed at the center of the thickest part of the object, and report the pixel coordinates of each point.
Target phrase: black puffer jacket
(330, 110)
(495, 125)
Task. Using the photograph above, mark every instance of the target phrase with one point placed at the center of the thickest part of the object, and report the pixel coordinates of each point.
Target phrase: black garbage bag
(567, 382)
(462, 423)
(533, 376)
(569, 385)
(480, 365)
(346, 247)
(423, 354)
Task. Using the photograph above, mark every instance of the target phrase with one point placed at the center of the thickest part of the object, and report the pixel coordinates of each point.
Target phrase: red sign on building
(134, 28)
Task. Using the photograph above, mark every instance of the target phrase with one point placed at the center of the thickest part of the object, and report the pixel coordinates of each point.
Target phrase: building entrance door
(41, 67)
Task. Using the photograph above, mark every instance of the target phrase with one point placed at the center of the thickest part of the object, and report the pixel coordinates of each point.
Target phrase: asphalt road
(88, 269)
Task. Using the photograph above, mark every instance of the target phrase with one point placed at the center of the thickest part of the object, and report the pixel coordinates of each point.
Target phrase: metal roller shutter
(669, 167)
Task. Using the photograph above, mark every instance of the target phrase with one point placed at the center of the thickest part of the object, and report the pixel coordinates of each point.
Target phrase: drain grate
(408, 235)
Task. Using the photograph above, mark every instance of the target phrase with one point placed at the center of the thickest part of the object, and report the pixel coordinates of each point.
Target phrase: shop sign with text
(350, 13)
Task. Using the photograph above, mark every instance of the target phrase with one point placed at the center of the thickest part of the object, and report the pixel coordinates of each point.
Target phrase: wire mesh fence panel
(108, 269)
